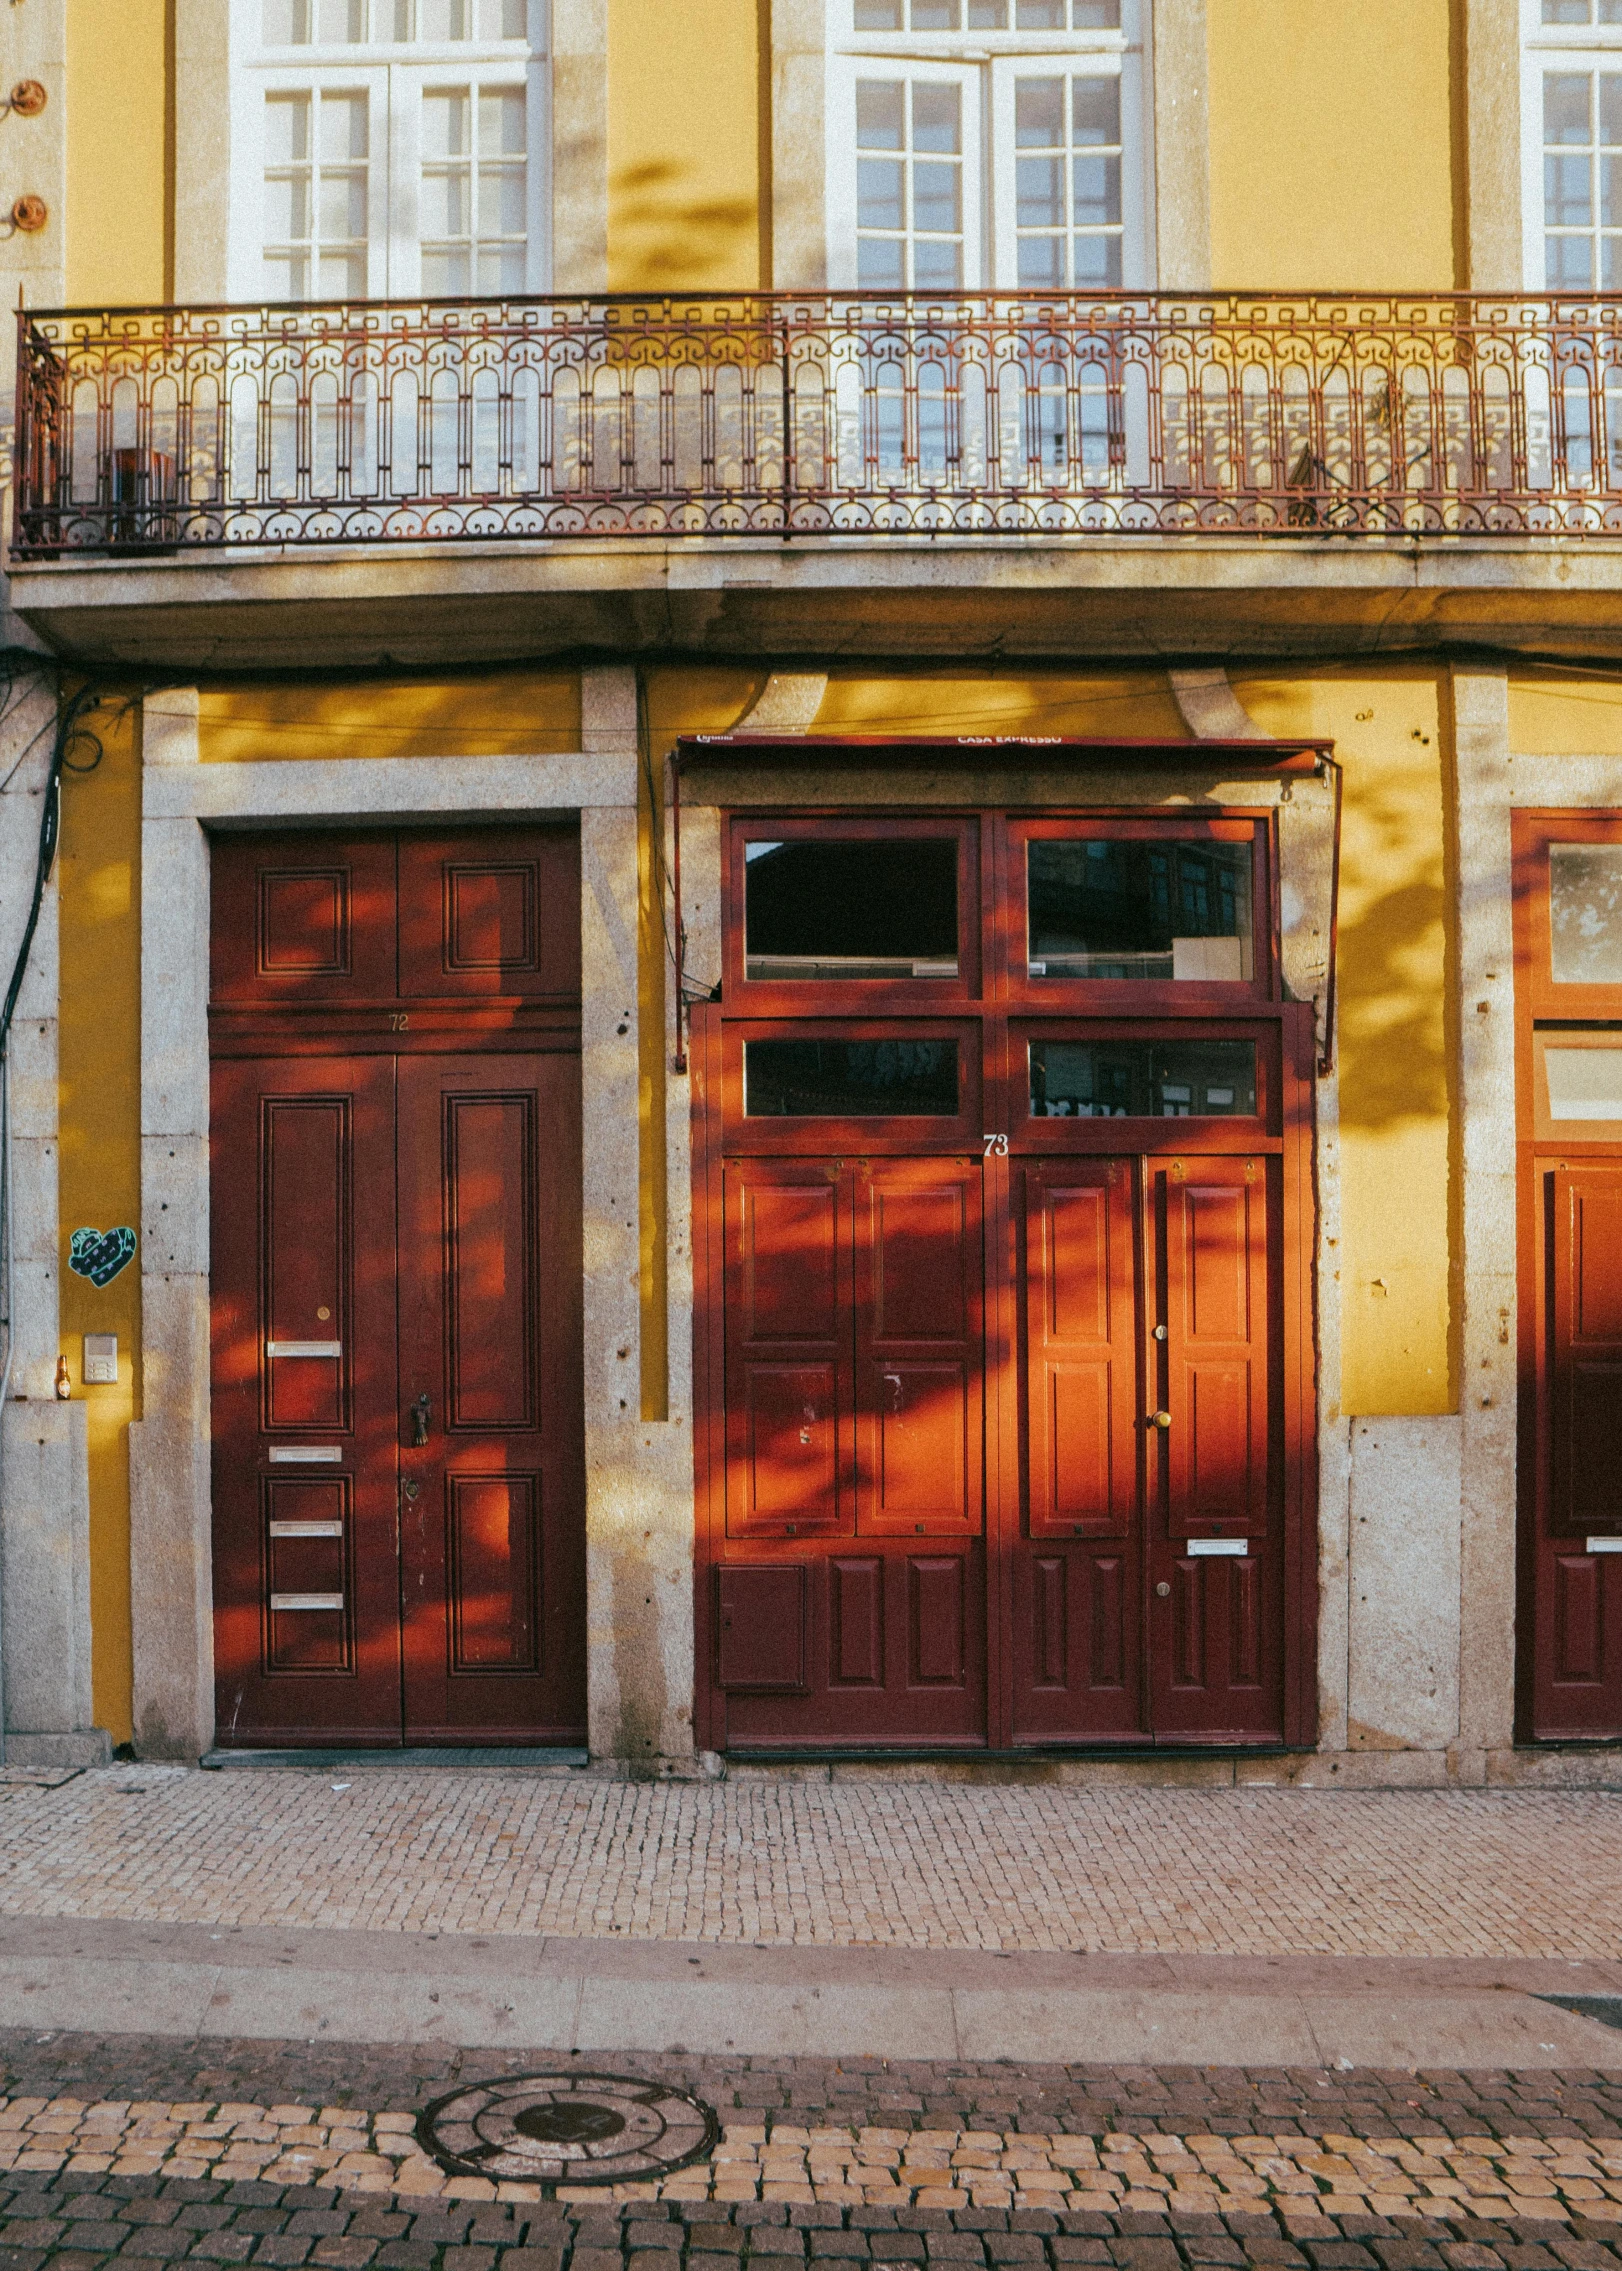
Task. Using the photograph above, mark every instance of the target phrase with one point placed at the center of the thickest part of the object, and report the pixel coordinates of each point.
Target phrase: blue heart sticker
(99, 1255)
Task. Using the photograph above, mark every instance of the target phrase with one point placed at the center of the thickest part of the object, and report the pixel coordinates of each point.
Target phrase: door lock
(1160, 1419)
(421, 1411)
(409, 1490)
(1160, 1332)
(1163, 1591)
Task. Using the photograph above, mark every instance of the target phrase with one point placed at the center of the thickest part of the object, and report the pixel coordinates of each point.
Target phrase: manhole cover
(567, 2129)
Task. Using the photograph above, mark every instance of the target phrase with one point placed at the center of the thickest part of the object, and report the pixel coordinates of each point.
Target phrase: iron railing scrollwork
(820, 415)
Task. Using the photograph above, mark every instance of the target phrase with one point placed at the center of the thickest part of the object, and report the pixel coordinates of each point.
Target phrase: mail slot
(1603, 1545)
(306, 1600)
(306, 1529)
(305, 1454)
(304, 1348)
(1236, 1547)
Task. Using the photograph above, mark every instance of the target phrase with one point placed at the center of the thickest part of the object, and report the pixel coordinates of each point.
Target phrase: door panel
(1215, 1533)
(489, 1321)
(305, 1574)
(919, 1347)
(854, 1408)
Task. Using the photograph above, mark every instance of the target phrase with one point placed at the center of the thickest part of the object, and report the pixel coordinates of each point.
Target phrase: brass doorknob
(1163, 1590)
(1160, 1419)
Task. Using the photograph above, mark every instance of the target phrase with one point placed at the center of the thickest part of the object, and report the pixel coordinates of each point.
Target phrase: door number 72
(995, 1146)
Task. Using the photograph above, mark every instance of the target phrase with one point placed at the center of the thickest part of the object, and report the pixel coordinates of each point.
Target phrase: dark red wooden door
(1579, 1596)
(1147, 1576)
(850, 1600)
(397, 1416)
(489, 1329)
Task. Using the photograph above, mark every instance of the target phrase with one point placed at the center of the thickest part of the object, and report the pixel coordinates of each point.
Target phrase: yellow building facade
(1165, 450)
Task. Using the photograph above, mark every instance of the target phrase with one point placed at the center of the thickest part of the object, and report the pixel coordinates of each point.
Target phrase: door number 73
(995, 1146)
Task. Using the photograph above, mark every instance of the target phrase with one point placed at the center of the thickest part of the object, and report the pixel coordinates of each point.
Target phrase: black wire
(71, 733)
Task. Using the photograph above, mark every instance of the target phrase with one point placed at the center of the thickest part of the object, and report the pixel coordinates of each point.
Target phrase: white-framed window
(989, 144)
(1571, 133)
(388, 148)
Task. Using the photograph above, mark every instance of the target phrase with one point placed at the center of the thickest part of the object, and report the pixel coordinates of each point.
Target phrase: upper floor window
(388, 148)
(987, 144)
(1571, 112)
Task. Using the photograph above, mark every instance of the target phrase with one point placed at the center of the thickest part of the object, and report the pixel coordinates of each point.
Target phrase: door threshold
(1048, 1754)
(525, 1758)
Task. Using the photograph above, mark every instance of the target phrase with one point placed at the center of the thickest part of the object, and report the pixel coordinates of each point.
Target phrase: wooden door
(1147, 1577)
(490, 1323)
(1578, 1611)
(397, 1419)
(849, 1603)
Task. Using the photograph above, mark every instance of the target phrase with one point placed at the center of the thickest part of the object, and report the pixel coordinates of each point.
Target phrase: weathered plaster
(799, 160)
(579, 145)
(202, 155)
(1182, 153)
(1403, 1653)
(1492, 67)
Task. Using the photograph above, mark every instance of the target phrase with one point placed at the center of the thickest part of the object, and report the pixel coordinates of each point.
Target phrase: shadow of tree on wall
(666, 238)
(1392, 978)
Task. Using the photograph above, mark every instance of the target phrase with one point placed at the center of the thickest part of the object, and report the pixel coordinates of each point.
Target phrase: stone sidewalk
(885, 1864)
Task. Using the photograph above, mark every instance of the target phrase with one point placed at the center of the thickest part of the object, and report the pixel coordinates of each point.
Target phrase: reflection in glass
(1143, 1080)
(1158, 908)
(825, 909)
(1584, 1084)
(911, 1080)
(1585, 914)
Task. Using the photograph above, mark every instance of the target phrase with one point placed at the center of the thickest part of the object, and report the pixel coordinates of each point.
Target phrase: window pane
(287, 128)
(343, 126)
(1140, 908)
(1097, 15)
(935, 15)
(342, 207)
(879, 266)
(444, 203)
(1098, 264)
(851, 1079)
(936, 118)
(988, 15)
(1039, 114)
(935, 203)
(446, 271)
(340, 23)
(1098, 191)
(502, 19)
(441, 19)
(1585, 914)
(503, 268)
(502, 124)
(1566, 203)
(1566, 106)
(285, 23)
(1159, 1080)
(834, 908)
(1584, 1084)
(342, 276)
(1568, 264)
(444, 124)
(1039, 16)
(501, 202)
(879, 193)
(1096, 109)
(1041, 264)
(1040, 186)
(1567, 12)
(879, 114)
(937, 267)
(287, 208)
(878, 15)
(1610, 11)
(287, 276)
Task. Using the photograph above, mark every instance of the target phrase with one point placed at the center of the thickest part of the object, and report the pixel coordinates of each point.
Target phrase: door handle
(421, 1411)
(1160, 1419)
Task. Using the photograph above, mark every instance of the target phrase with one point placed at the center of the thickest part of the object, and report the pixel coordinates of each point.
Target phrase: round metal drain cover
(567, 2129)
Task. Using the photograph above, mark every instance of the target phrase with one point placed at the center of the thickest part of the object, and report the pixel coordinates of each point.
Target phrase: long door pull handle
(420, 1413)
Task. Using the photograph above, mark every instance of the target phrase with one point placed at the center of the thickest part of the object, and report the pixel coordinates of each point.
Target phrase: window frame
(990, 61)
(1550, 47)
(396, 75)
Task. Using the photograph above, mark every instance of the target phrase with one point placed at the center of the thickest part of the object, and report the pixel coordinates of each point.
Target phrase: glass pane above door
(817, 909)
(1143, 1080)
(1585, 914)
(1161, 909)
(1584, 1084)
(842, 1080)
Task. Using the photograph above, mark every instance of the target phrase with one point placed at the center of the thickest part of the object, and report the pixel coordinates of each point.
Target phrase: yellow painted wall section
(1563, 714)
(685, 145)
(1331, 152)
(510, 714)
(119, 243)
(1398, 1243)
(100, 1166)
(1138, 705)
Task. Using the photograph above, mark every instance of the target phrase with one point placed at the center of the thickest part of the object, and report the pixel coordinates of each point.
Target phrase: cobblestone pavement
(828, 2165)
(898, 1865)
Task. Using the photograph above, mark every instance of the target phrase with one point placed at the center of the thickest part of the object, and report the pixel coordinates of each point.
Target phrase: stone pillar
(171, 1579)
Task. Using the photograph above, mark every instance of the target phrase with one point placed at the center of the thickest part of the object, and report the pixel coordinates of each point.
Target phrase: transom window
(987, 144)
(1571, 111)
(386, 148)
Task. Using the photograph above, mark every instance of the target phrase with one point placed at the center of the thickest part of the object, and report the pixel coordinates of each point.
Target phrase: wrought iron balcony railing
(144, 431)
